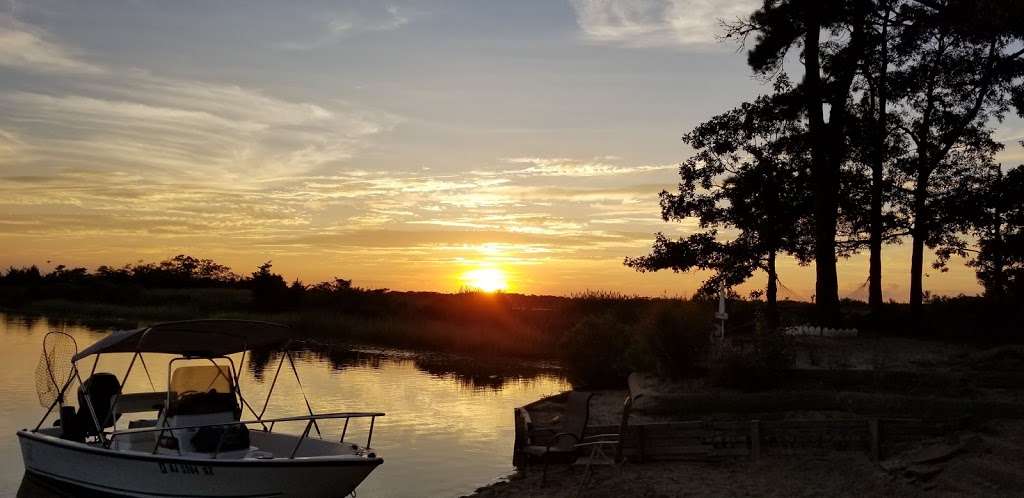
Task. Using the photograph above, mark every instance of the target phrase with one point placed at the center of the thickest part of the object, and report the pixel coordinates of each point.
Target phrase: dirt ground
(985, 462)
(845, 475)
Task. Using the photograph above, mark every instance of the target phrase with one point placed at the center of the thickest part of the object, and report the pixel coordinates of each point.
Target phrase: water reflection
(448, 428)
(478, 373)
(39, 487)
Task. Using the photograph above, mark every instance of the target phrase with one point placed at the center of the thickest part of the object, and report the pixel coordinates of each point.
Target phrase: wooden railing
(716, 439)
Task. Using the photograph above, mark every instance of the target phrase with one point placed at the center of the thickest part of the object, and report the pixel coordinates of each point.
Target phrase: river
(448, 428)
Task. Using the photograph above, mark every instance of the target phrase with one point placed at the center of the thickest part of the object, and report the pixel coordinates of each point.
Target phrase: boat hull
(139, 474)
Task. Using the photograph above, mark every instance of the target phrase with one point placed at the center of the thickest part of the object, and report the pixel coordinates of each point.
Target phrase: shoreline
(428, 335)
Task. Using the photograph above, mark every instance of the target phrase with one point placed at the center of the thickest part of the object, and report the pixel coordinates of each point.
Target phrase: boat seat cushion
(201, 403)
(221, 438)
(138, 424)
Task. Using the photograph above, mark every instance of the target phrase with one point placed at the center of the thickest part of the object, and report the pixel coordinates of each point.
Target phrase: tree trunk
(826, 288)
(998, 278)
(771, 294)
(916, 278)
(998, 271)
(919, 234)
(875, 270)
(877, 177)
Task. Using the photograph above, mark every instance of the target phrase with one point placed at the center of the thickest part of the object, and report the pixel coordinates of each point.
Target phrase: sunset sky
(400, 144)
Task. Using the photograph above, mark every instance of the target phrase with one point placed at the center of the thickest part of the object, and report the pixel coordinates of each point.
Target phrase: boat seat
(201, 403)
(98, 391)
(140, 424)
(220, 438)
(140, 402)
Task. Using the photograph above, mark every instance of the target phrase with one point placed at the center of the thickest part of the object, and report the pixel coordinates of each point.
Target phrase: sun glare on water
(485, 279)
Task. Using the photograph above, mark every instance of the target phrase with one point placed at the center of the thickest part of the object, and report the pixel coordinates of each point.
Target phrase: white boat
(195, 441)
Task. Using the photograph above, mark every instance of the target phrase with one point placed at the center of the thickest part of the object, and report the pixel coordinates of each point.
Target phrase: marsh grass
(599, 336)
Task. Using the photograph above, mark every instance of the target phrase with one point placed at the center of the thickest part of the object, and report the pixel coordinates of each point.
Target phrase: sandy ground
(985, 462)
(842, 475)
(878, 353)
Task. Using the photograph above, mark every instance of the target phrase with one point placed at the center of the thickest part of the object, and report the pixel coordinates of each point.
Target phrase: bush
(594, 352)
(674, 343)
(761, 365)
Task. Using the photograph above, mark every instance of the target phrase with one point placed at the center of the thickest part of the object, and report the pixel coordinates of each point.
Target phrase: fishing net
(55, 367)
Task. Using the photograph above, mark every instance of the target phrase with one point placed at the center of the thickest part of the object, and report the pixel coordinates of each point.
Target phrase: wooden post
(755, 440)
(521, 436)
(642, 442)
(873, 439)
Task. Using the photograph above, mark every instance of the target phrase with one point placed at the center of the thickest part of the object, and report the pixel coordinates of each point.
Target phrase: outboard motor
(99, 390)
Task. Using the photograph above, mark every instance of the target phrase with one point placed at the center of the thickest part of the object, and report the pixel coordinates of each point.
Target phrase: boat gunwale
(297, 418)
(317, 461)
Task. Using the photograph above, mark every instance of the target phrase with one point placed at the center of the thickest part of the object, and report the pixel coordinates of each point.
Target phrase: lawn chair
(561, 444)
(600, 445)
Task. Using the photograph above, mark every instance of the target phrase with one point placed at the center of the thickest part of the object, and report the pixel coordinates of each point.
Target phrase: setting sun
(486, 279)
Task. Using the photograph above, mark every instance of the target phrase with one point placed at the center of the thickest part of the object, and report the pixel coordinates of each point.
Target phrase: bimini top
(204, 338)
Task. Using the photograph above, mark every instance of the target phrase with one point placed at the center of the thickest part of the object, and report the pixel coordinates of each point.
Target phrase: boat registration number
(185, 468)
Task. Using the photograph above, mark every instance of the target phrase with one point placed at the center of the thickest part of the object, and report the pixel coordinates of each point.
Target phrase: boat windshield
(201, 389)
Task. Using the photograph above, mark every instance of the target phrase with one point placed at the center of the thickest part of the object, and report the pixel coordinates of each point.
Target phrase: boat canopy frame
(194, 338)
(270, 334)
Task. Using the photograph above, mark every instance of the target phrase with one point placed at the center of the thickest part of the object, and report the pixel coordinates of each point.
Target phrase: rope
(856, 291)
(787, 289)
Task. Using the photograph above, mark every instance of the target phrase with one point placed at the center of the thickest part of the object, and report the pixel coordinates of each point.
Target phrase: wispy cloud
(9, 144)
(1008, 133)
(126, 162)
(656, 23)
(373, 17)
(570, 167)
(125, 118)
(25, 47)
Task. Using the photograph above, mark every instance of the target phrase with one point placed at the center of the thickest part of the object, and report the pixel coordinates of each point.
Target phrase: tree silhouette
(747, 180)
(876, 146)
(907, 86)
(269, 289)
(830, 67)
(990, 213)
(960, 67)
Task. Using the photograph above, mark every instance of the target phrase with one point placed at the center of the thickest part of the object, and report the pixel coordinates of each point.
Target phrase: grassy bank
(469, 322)
(599, 336)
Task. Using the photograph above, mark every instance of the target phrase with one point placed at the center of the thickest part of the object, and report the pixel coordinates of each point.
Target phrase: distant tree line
(186, 287)
(269, 291)
(178, 272)
(887, 136)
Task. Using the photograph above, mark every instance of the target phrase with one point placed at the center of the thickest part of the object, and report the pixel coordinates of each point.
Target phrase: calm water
(448, 428)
